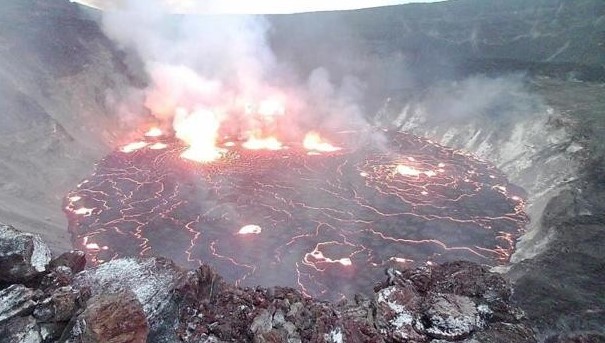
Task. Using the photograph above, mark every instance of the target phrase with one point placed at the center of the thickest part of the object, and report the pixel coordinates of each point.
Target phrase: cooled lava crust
(325, 223)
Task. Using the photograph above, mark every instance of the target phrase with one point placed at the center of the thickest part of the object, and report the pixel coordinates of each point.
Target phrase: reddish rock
(60, 276)
(112, 318)
(154, 282)
(60, 306)
(74, 260)
(396, 313)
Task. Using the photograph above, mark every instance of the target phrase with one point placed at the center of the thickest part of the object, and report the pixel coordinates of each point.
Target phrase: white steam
(214, 63)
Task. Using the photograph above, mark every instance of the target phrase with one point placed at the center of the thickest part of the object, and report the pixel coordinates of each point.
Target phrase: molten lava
(250, 230)
(411, 171)
(263, 143)
(154, 132)
(199, 129)
(314, 142)
(327, 224)
(132, 147)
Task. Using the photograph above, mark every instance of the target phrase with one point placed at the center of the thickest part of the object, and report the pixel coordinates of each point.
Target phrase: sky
(262, 6)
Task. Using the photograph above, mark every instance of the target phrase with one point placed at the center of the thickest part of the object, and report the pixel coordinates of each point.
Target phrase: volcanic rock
(358, 322)
(51, 332)
(60, 306)
(578, 337)
(59, 277)
(22, 255)
(396, 312)
(111, 318)
(152, 300)
(450, 316)
(469, 279)
(504, 333)
(262, 323)
(151, 280)
(20, 330)
(74, 260)
(16, 300)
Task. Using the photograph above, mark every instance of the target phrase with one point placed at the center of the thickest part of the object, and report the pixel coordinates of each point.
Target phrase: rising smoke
(212, 64)
(217, 65)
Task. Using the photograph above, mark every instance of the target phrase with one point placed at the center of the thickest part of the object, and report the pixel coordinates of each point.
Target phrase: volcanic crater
(327, 223)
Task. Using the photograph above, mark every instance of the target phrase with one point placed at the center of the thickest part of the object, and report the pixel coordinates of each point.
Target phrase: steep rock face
(556, 37)
(555, 154)
(57, 73)
(533, 144)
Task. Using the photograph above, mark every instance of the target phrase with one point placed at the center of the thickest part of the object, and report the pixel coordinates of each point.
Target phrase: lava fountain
(326, 217)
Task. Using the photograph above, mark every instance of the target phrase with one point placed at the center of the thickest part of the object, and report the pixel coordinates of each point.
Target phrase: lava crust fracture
(311, 220)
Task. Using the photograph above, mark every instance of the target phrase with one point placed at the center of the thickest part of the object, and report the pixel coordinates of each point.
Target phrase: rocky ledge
(46, 299)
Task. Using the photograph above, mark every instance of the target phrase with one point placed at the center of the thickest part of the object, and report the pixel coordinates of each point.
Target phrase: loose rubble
(44, 299)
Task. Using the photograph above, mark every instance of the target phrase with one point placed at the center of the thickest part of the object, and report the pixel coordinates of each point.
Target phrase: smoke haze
(215, 63)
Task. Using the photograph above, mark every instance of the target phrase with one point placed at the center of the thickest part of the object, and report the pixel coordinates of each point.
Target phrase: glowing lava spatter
(250, 229)
(314, 142)
(132, 147)
(262, 143)
(199, 129)
(154, 132)
(326, 224)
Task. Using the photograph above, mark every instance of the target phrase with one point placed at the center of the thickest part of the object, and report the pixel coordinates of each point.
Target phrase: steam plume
(213, 63)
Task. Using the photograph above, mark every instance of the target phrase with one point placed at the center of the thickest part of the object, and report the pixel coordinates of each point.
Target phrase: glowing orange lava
(158, 146)
(199, 129)
(83, 211)
(250, 230)
(93, 246)
(132, 147)
(263, 143)
(314, 142)
(411, 171)
(326, 224)
(317, 257)
(154, 132)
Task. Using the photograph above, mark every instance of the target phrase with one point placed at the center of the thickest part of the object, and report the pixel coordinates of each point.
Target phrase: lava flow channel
(327, 223)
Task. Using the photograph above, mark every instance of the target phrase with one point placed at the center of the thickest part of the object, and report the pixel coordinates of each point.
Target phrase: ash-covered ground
(327, 223)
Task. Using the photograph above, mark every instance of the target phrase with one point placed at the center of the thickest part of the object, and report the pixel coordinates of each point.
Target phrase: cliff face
(554, 37)
(58, 72)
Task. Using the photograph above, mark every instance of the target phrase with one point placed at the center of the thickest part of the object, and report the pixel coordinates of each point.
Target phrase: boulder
(20, 330)
(23, 256)
(152, 280)
(449, 316)
(16, 300)
(74, 260)
(112, 317)
(60, 306)
(397, 313)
